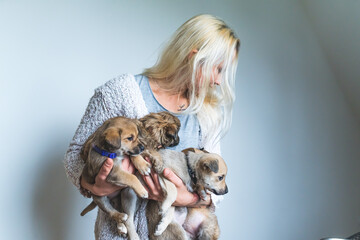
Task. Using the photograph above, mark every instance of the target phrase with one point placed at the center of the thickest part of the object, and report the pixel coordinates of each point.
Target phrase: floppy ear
(195, 150)
(140, 127)
(203, 150)
(211, 165)
(188, 150)
(112, 137)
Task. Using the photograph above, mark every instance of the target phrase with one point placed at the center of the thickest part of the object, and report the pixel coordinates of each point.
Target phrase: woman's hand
(153, 186)
(101, 186)
(184, 197)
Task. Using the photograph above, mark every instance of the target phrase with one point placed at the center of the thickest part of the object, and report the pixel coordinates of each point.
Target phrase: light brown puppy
(156, 130)
(114, 138)
(159, 130)
(201, 172)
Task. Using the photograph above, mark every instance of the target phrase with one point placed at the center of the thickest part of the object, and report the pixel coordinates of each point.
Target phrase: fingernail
(166, 172)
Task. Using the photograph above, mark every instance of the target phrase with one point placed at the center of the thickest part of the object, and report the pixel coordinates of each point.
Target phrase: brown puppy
(201, 172)
(157, 130)
(116, 137)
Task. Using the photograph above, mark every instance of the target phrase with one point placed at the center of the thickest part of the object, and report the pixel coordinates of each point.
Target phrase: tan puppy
(116, 137)
(201, 172)
(160, 130)
(156, 130)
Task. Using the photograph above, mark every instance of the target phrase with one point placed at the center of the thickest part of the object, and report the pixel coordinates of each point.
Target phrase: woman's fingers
(149, 182)
(127, 165)
(153, 186)
(172, 177)
(155, 178)
(105, 170)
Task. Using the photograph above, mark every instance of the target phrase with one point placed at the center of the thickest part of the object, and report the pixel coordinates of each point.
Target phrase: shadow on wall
(52, 197)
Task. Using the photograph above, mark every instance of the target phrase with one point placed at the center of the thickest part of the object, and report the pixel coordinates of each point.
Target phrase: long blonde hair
(186, 66)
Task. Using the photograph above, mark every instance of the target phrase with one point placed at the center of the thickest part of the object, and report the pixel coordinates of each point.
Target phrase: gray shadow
(52, 196)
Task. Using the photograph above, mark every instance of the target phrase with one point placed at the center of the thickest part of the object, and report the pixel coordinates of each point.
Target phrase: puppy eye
(130, 138)
(221, 178)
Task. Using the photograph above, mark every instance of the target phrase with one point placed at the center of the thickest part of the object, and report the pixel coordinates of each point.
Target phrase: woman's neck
(172, 101)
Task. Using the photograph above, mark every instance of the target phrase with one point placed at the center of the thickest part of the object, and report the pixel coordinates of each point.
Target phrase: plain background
(294, 147)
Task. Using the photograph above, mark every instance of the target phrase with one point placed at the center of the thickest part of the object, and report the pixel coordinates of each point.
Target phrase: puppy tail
(90, 207)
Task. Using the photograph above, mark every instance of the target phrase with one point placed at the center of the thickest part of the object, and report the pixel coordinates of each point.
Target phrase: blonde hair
(186, 66)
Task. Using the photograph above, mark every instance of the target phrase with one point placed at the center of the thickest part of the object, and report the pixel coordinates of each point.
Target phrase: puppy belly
(193, 223)
(180, 215)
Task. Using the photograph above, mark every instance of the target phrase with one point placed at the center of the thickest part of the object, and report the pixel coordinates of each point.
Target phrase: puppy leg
(156, 160)
(122, 178)
(209, 230)
(166, 219)
(129, 204)
(173, 231)
(141, 164)
(208, 225)
(104, 204)
(170, 194)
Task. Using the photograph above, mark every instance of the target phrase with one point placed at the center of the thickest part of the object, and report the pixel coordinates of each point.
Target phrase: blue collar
(104, 153)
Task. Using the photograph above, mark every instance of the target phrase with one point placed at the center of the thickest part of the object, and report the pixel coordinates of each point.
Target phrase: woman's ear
(192, 53)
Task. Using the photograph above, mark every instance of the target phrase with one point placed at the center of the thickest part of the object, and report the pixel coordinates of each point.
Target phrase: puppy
(201, 172)
(156, 130)
(159, 130)
(114, 138)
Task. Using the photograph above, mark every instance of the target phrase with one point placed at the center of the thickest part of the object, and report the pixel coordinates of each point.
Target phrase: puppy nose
(226, 189)
(141, 147)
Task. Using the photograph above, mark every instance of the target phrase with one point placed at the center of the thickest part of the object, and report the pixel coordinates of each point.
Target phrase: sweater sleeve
(96, 113)
(120, 96)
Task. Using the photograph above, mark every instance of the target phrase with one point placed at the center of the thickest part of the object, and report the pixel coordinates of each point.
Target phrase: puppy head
(121, 134)
(163, 127)
(212, 173)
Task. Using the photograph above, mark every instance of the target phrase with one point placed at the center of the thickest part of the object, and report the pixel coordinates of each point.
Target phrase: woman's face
(215, 78)
(216, 75)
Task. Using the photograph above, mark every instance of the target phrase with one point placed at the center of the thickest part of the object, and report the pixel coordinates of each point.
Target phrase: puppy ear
(140, 127)
(188, 150)
(112, 137)
(203, 150)
(211, 165)
(195, 150)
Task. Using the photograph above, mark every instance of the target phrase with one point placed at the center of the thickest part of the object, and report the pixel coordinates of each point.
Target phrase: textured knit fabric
(120, 96)
(189, 133)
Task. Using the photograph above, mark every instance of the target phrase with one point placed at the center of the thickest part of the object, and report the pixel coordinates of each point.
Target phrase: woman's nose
(217, 81)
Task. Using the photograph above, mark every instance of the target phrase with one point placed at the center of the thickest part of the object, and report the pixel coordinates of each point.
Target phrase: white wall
(337, 25)
(292, 152)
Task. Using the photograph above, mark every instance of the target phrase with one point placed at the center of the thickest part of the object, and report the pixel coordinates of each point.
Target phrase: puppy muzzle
(137, 150)
(221, 192)
(175, 142)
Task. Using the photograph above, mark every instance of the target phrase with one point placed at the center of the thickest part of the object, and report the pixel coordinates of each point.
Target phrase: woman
(194, 79)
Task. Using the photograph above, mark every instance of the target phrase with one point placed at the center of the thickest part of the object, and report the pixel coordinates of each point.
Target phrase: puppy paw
(143, 193)
(125, 217)
(120, 217)
(122, 230)
(144, 167)
(159, 229)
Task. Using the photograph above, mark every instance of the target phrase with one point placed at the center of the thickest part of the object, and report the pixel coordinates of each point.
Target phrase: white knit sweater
(120, 96)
